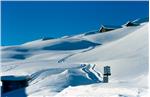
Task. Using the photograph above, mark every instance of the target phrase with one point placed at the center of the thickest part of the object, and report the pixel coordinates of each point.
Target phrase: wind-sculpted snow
(16, 48)
(58, 79)
(85, 74)
(73, 65)
(24, 52)
(71, 45)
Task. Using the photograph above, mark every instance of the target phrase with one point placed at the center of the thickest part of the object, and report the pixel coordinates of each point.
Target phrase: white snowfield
(73, 66)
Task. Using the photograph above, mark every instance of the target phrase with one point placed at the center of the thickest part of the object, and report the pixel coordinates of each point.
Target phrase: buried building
(129, 23)
(10, 83)
(106, 28)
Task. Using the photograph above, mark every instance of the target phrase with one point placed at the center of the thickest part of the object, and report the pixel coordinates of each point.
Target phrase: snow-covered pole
(106, 74)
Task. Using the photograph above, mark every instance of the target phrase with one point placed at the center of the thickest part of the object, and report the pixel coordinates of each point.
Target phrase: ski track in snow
(65, 58)
(8, 68)
(35, 75)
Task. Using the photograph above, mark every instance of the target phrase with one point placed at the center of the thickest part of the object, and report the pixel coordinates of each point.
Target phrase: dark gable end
(10, 83)
(106, 28)
(129, 23)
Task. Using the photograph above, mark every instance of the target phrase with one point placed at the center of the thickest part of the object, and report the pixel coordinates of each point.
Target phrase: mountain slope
(130, 52)
(57, 67)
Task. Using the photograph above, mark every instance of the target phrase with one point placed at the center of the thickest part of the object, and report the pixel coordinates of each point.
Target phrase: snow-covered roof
(14, 78)
(111, 26)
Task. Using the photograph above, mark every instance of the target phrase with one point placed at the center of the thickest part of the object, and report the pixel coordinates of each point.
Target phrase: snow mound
(58, 79)
(71, 45)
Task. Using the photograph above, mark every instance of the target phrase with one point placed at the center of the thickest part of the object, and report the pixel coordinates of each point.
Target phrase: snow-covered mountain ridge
(71, 66)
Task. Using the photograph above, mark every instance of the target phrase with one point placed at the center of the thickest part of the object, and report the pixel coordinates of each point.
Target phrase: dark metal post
(106, 74)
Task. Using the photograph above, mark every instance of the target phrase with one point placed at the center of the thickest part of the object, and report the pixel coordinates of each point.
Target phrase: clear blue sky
(27, 21)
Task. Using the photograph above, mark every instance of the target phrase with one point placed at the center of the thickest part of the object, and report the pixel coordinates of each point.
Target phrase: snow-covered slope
(131, 49)
(71, 66)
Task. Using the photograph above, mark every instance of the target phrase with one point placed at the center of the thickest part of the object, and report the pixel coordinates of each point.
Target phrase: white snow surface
(73, 66)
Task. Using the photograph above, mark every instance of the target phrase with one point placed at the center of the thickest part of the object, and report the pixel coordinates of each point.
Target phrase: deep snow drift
(73, 66)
